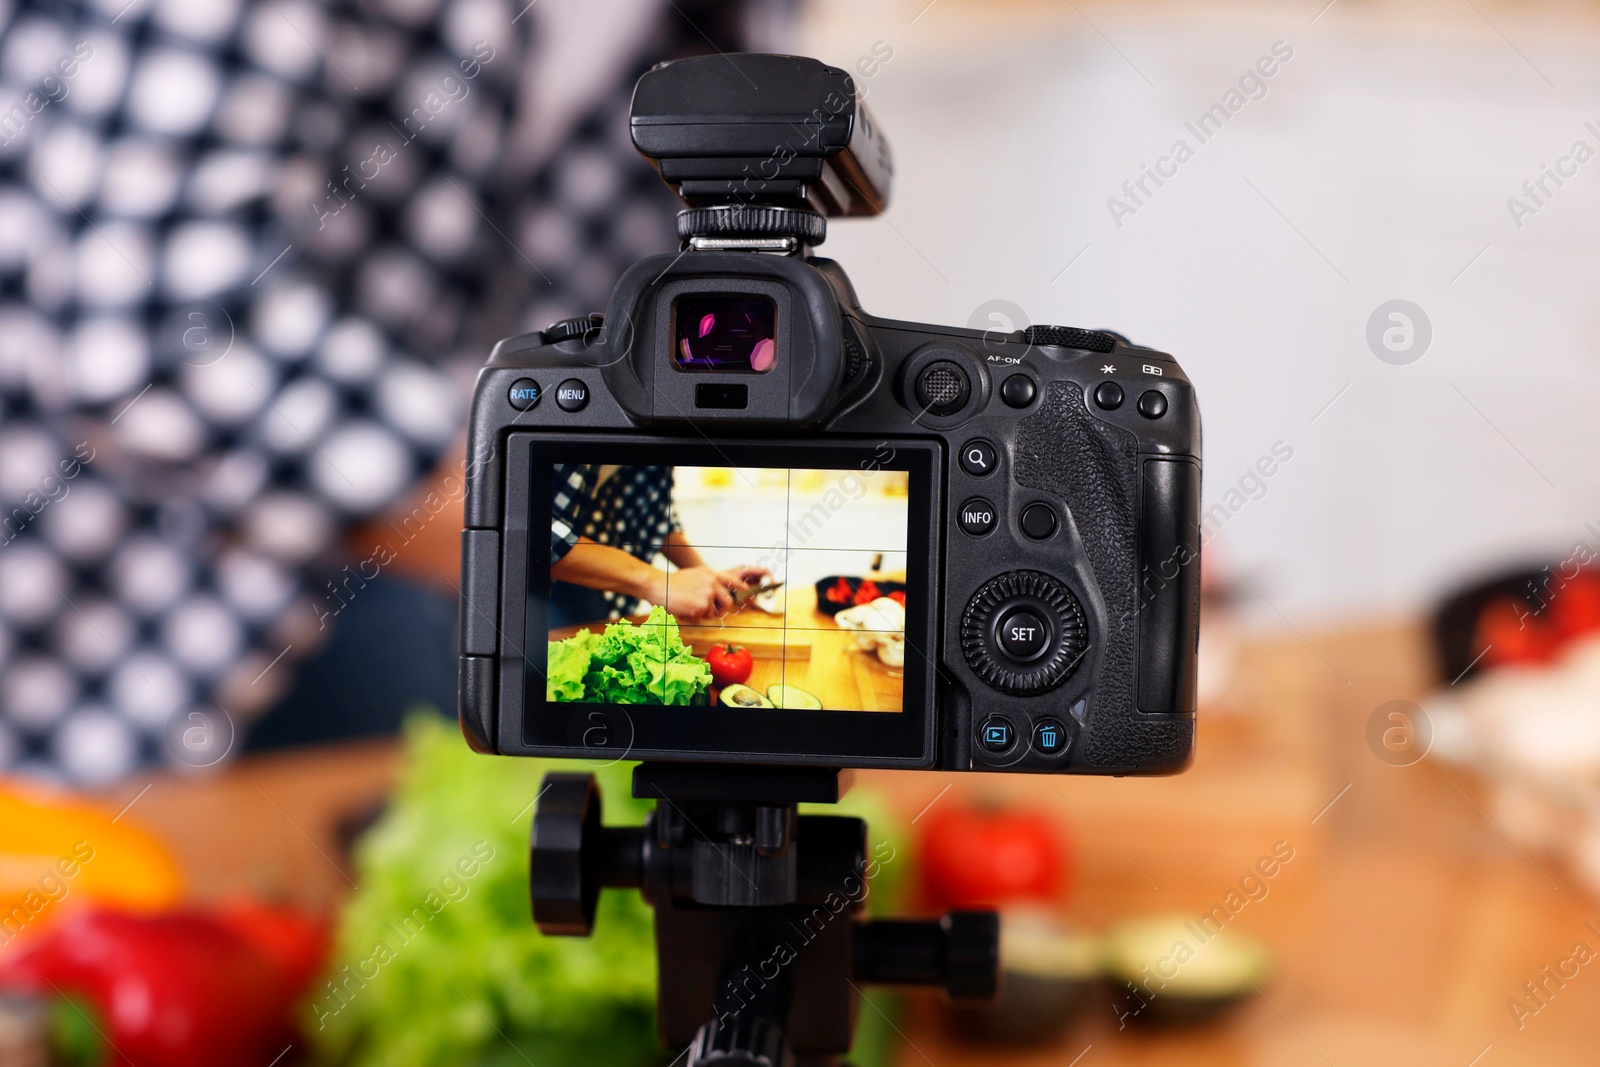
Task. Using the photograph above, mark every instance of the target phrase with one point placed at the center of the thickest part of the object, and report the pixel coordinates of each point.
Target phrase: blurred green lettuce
(437, 961)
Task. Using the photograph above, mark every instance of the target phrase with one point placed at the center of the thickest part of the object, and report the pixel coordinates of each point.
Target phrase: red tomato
(984, 857)
(1576, 605)
(867, 592)
(1508, 632)
(730, 664)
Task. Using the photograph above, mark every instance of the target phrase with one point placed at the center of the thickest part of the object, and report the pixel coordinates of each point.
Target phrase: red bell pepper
(295, 941)
(175, 989)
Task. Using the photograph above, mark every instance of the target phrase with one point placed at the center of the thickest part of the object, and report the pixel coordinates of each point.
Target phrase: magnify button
(978, 458)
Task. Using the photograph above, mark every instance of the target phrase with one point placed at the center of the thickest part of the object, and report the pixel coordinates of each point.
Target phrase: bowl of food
(1050, 969)
(1171, 969)
(837, 592)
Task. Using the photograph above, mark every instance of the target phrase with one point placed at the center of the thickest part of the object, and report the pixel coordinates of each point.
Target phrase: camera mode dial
(1024, 633)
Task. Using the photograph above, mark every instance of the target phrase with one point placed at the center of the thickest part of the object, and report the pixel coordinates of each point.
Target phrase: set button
(1024, 635)
(977, 517)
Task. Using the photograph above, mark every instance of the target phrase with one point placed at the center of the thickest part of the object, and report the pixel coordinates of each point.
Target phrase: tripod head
(759, 946)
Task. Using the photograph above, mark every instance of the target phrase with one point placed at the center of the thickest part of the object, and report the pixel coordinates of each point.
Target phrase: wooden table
(801, 647)
(1401, 928)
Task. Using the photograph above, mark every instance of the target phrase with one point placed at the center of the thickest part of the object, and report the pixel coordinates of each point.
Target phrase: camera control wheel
(1024, 633)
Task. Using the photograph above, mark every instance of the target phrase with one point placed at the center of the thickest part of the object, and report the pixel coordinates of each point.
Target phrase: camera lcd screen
(729, 332)
(728, 588)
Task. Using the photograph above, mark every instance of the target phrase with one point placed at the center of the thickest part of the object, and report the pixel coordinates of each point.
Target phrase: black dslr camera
(943, 548)
(744, 532)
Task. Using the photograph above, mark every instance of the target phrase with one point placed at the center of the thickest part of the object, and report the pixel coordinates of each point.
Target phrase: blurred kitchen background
(1374, 254)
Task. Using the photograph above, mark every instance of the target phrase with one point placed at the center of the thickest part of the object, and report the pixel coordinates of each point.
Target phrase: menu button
(572, 395)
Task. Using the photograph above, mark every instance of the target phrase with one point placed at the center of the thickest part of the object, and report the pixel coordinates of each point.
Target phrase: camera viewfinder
(735, 332)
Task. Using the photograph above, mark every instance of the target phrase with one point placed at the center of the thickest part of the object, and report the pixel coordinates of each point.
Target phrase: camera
(738, 519)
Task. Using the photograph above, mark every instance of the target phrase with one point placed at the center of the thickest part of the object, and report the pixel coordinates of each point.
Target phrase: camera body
(1030, 500)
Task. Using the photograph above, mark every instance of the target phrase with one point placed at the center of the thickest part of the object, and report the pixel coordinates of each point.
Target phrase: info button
(977, 517)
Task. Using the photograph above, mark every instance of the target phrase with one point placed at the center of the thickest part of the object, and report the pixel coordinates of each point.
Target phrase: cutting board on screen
(765, 643)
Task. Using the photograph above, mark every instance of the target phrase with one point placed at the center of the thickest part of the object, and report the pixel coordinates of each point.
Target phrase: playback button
(977, 517)
(996, 734)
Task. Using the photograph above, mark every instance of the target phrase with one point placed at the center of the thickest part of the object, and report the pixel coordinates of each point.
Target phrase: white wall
(1390, 141)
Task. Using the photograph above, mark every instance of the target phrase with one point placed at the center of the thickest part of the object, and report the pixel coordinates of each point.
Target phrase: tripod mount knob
(573, 856)
(959, 953)
(747, 1040)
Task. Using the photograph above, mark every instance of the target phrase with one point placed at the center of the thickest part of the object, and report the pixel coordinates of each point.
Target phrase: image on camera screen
(725, 332)
(736, 587)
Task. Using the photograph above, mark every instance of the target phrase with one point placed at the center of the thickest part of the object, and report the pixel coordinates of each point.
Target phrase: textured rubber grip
(1169, 585)
(1065, 450)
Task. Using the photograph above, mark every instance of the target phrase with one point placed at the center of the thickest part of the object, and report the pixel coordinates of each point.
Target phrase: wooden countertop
(1401, 927)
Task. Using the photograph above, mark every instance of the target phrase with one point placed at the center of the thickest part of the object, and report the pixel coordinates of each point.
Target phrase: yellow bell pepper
(58, 851)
